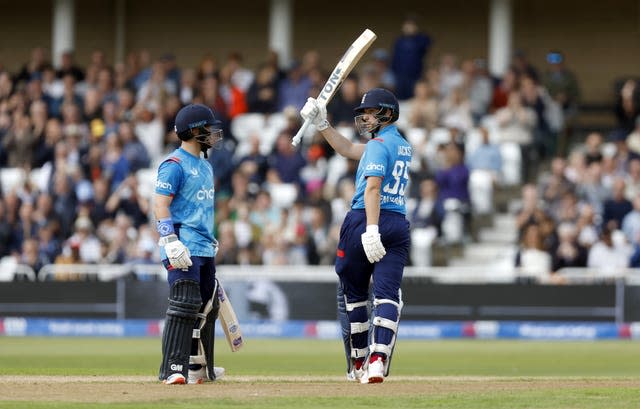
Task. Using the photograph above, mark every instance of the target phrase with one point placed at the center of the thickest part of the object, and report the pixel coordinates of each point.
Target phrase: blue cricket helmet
(194, 116)
(382, 99)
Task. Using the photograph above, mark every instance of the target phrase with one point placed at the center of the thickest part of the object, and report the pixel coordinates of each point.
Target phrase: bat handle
(296, 139)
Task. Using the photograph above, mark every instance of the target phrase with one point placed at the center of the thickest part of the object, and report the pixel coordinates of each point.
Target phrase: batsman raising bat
(183, 207)
(374, 237)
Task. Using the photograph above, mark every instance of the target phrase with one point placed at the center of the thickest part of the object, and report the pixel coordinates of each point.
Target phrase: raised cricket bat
(340, 72)
(229, 321)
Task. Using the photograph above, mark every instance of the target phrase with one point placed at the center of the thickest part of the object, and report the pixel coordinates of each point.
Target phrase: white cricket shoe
(355, 375)
(175, 379)
(198, 376)
(375, 372)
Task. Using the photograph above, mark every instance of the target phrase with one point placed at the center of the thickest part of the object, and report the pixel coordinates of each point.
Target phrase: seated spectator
(610, 253)
(568, 252)
(502, 90)
(486, 156)
(478, 86)
(591, 189)
(455, 110)
(627, 105)
(616, 207)
(341, 107)
(294, 89)
(632, 179)
(531, 258)
(593, 147)
(515, 124)
(633, 139)
(286, 160)
(423, 107)
(262, 95)
(631, 222)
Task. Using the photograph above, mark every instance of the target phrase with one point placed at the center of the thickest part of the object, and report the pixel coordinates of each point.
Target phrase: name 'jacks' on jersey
(388, 156)
(189, 180)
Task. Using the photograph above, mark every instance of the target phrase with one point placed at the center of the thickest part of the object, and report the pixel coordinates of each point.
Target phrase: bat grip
(296, 139)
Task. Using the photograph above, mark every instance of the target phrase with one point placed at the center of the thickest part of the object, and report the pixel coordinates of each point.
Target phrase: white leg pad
(358, 327)
(354, 305)
(358, 353)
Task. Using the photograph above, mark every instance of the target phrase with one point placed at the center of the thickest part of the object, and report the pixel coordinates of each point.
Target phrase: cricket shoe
(175, 379)
(357, 372)
(375, 371)
(198, 376)
(355, 375)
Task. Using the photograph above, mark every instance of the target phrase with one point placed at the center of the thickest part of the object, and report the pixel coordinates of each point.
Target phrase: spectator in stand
(610, 253)
(555, 184)
(133, 150)
(632, 179)
(531, 210)
(532, 97)
(486, 157)
(631, 222)
(591, 189)
(531, 258)
(30, 255)
(627, 106)
(125, 199)
(114, 163)
(561, 83)
(19, 143)
(616, 207)
(522, 66)
(453, 179)
(68, 67)
(507, 84)
(455, 111)
(262, 95)
(286, 160)
(450, 75)
(633, 139)
(568, 252)
(33, 66)
(294, 89)
(516, 123)
(478, 87)
(340, 109)
(409, 52)
(623, 154)
(380, 63)
(234, 97)
(423, 107)
(254, 164)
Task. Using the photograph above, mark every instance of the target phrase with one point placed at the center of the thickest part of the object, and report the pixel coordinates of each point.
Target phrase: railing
(324, 273)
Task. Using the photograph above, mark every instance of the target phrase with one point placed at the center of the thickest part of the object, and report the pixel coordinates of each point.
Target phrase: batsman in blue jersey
(374, 238)
(183, 207)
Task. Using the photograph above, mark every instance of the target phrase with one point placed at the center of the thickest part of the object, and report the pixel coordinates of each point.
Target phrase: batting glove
(177, 253)
(372, 244)
(315, 113)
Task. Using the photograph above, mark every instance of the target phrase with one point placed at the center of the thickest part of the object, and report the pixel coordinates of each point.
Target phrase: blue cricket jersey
(189, 180)
(388, 156)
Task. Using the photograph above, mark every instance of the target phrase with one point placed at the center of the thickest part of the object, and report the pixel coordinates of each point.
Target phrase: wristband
(165, 226)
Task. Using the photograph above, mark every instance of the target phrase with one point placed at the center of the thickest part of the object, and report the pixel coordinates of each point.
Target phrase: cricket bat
(340, 72)
(229, 321)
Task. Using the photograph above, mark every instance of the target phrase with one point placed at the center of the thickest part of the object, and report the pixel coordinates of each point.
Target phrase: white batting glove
(315, 113)
(372, 244)
(177, 253)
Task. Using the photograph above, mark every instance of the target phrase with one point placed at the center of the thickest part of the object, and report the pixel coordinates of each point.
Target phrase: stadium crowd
(79, 145)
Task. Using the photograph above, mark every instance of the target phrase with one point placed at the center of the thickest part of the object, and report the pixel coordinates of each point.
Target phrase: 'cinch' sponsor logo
(164, 185)
(375, 166)
(205, 194)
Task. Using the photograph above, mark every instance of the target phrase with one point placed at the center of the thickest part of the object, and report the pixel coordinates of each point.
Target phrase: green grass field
(121, 373)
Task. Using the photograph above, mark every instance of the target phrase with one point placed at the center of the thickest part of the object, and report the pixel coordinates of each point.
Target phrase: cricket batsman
(184, 210)
(374, 237)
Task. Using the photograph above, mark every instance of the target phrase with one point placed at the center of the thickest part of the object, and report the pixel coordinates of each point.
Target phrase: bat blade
(342, 69)
(229, 321)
